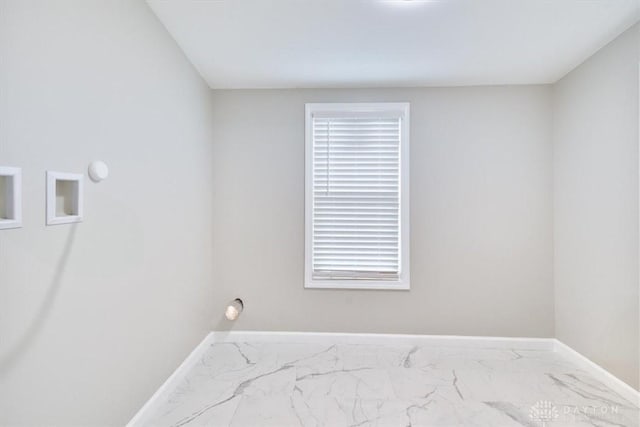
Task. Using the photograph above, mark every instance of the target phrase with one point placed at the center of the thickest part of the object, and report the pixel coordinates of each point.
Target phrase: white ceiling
(370, 43)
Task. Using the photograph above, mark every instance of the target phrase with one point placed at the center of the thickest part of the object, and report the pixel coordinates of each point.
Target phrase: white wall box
(10, 197)
(64, 198)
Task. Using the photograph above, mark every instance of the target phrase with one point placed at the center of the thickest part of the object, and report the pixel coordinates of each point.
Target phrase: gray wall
(93, 318)
(481, 214)
(596, 207)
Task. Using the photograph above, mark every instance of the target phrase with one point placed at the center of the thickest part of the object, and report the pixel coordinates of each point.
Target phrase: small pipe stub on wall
(234, 309)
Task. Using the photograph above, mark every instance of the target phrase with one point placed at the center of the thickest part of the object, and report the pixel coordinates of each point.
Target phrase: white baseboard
(598, 372)
(174, 379)
(540, 344)
(397, 339)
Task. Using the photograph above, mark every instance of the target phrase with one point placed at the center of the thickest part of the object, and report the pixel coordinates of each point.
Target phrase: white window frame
(400, 109)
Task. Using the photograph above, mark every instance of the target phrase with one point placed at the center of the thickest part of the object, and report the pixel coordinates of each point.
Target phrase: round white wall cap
(98, 171)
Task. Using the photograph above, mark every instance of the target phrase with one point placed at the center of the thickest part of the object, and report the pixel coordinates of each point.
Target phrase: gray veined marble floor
(258, 384)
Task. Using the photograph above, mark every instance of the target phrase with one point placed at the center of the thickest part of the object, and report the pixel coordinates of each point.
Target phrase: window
(357, 196)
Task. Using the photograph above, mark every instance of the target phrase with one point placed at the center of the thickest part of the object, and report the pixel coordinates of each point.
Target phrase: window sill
(398, 285)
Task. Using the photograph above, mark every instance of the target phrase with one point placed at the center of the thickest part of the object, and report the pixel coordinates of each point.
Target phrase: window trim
(396, 108)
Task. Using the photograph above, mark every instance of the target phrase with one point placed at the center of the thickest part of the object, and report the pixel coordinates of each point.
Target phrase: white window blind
(355, 194)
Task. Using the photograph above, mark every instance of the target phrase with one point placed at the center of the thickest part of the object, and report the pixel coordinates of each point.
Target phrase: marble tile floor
(285, 384)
